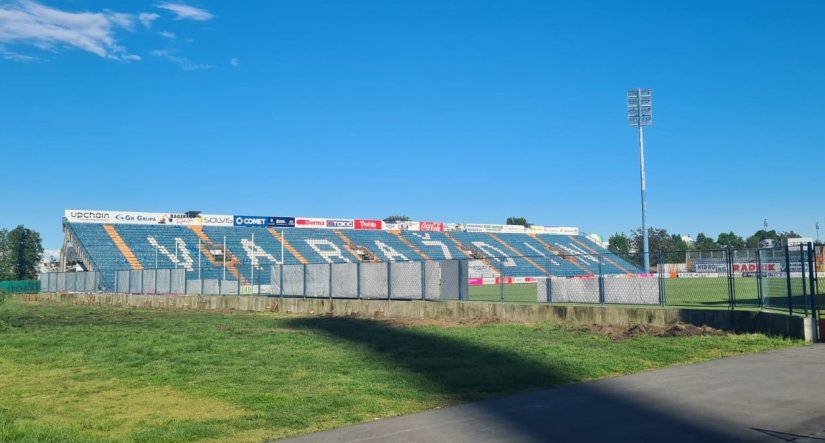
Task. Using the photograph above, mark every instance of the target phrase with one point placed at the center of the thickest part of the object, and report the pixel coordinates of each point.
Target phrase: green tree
(397, 219)
(730, 240)
(20, 254)
(518, 221)
(5, 268)
(619, 243)
(659, 240)
(753, 240)
(703, 242)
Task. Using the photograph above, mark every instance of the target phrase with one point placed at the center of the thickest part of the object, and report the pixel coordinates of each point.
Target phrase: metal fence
(782, 279)
(19, 286)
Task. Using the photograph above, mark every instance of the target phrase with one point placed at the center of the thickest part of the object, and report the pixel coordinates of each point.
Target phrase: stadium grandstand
(241, 248)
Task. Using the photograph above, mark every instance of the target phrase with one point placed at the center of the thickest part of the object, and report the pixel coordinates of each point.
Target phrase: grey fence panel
(60, 285)
(373, 280)
(542, 290)
(148, 277)
(71, 282)
(631, 290)
(275, 279)
(211, 286)
(92, 281)
(122, 281)
(44, 281)
(345, 280)
(406, 280)
(229, 287)
(178, 281)
(164, 281)
(454, 279)
(317, 280)
(135, 282)
(193, 287)
(432, 279)
(575, 290)
(293, 280)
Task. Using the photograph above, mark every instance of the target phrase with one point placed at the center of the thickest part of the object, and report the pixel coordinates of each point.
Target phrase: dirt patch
(676, 330)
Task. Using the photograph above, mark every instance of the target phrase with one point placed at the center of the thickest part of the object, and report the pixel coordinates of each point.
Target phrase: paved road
(770, 397)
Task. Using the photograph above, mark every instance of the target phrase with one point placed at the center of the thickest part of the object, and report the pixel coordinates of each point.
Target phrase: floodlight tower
(640, 114)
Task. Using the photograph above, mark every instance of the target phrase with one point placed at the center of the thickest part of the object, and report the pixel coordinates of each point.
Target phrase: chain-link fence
(782, 279)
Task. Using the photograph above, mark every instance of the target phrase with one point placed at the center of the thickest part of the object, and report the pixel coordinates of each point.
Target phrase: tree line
(21, 251)
(659, 240)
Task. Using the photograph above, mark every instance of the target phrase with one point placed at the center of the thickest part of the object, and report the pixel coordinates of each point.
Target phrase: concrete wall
(743, 321)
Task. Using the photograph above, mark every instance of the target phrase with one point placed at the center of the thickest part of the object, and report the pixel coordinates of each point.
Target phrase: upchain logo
(89, 215)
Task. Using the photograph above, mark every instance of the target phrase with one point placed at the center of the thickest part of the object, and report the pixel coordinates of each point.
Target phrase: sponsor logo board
(310, 223)
(369, 224)
(340, 224)
(472, 227)
(249, 221)
(280, 222)
(698, 274)
(514, 229)
(431, 226)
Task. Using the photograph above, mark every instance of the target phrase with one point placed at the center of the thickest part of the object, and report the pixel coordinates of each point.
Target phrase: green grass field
(77, 374)
(679, 292)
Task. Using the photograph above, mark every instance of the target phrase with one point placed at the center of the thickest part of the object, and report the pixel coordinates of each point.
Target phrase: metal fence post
(813, 291)
(729, 264)
(358, 280)
(601, 279)
(788, 279)
(660, 268)
(281, 279)
(760, 294)
(424, 282)
(305, 280)
(389, 280)
(330, 281)
(804, 283)
(548, 281)
(501, 279)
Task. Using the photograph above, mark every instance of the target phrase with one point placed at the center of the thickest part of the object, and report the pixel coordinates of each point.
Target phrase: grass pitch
(96, 374)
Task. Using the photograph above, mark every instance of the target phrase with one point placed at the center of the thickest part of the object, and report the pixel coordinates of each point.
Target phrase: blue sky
(459, 111)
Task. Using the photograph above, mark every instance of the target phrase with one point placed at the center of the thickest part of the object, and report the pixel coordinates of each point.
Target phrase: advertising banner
(752, 267)
(493, 228)
(431, 226)
(698, 274)
(217, 220)
(514, 229)
(280, 222)
(535, 230)
(340, 224)
(142, 218)
(250, 221)
(369, 224)
(561, 230)
(472, 227)
(711, 267)
(310, 223)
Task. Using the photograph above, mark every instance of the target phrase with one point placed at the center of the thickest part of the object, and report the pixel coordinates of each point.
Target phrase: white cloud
(26, 22)
(234, 62)
(186, 64)
(169, 35)
(186, 12)
(16, 57)
(146, 19)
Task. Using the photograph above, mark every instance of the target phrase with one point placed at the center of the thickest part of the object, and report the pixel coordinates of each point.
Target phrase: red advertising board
(310, 223)
(368, 224)
(431, 226)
